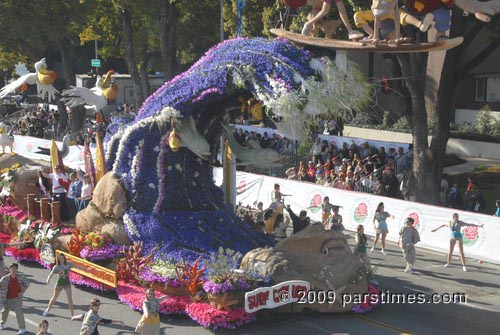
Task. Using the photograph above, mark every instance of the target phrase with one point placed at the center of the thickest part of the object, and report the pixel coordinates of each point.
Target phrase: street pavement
(480, 315)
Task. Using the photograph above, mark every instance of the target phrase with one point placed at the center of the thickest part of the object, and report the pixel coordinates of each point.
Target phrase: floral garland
(209, 317)
(101, 253)
(133, 296)
(11, 210)
(370, 302)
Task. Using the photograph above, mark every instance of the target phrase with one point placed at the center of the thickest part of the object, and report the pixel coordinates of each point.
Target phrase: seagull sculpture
(42, 78)
(96, 97)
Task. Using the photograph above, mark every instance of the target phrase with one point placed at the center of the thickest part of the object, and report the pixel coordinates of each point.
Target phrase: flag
(55, 157)
(89, 163)
(100, 160)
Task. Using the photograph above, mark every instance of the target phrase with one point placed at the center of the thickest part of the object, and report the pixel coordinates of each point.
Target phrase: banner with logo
(28, 146)
(359, 208)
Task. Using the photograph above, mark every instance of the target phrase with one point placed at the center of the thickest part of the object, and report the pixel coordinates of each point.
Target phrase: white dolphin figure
(42, 78)
(257, 157)
(192, 139)
(96, 97)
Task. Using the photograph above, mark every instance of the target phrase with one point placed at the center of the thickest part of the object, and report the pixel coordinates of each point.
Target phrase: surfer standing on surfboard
(320, 8)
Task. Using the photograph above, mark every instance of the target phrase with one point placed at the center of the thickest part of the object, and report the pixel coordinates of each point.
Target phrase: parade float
(158, 220)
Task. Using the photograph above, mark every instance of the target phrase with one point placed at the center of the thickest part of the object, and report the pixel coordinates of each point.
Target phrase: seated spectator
(311, 172)
(379, 188)
(265, 141)
(320, 177)
(292, 174)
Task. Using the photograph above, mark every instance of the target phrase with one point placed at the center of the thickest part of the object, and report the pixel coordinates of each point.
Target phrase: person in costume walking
(149, 324)
(62, 271)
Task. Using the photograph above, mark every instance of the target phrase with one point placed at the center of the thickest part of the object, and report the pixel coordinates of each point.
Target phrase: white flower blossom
(130, 227)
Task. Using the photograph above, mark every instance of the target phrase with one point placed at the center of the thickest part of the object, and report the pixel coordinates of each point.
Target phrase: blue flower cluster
(173, 200)
(213, 72)
(190, 234)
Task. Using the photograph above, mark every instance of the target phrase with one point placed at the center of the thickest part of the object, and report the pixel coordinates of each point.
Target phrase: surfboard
(440, 45)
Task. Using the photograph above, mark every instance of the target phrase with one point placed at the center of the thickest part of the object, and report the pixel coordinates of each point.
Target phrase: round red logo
(360, 213)
(415, 218)
(242, 185)
(471, 234)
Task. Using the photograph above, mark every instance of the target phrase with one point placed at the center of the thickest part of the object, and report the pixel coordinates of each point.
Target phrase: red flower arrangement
(209, 317)
(28, 254)
(133, 296)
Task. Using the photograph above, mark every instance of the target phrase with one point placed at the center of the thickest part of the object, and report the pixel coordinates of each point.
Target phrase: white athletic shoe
(2, 326)
(465, 269)
(446, 265)
(372, 249)
(45, 313)
(21, 331)
(383, 251)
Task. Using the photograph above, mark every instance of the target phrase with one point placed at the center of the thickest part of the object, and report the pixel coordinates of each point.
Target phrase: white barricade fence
(359, 208)
(330, 138)
(27, 146)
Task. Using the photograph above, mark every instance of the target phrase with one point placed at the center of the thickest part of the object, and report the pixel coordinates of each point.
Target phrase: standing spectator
(381, 226)
(149, 324)
(259, 214)
(392, 184)
(59, 183)
(91, 319)
(87, 190)
(401, 160)
(408, 237)
(13, 285)
(344, 152)
(454, 199)
(497, 203)
(333, 128)
(44, 185)
(74, 192)
(443, 191)
(340, 126)
(316, 150)
(299, 222)
(455, 226)
(470, 199)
